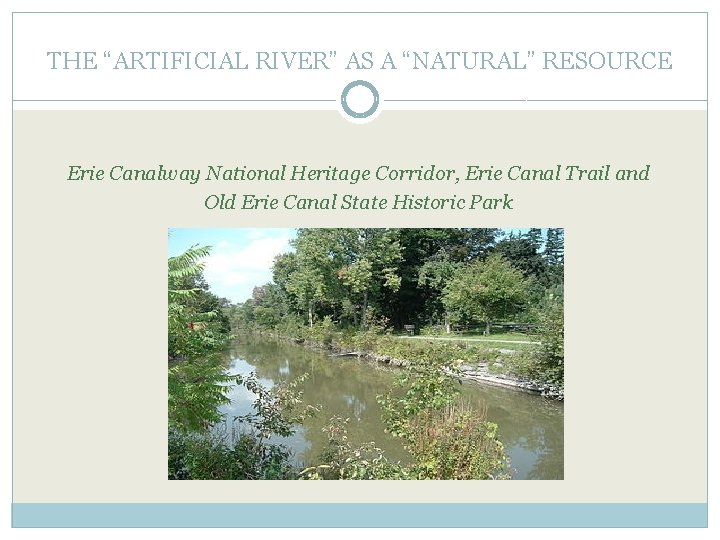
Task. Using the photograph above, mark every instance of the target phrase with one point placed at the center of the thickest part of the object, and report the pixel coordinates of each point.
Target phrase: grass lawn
(515, 341)
(510, 336)
(507, 336)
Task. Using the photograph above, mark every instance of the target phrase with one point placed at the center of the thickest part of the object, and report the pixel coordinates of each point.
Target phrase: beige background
(90, 396)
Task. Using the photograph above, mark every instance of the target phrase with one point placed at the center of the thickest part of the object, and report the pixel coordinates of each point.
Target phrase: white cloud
(256, 234)
(232, 272)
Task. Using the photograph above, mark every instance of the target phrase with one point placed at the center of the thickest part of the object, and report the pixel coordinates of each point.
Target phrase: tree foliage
(522, 253)
(196, 324)
(548, 361)
(384, 279)
(196, 330)
(486, 291)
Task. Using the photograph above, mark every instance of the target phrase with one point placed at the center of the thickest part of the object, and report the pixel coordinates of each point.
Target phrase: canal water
(530, 426)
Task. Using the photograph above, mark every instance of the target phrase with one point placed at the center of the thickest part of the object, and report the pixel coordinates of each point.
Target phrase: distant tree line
(419, 276)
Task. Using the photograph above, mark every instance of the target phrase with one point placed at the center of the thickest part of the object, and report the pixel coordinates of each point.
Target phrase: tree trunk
(363, 319)
(310, 314)
(488, 326)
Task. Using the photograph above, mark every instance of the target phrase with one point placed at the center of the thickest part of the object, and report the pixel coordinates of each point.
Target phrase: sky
(240, 259)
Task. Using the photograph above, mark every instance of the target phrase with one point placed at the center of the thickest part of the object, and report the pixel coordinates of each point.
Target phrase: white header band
(311, 57)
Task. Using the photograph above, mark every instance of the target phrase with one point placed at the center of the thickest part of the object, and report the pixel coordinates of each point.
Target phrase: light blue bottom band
(358, 515)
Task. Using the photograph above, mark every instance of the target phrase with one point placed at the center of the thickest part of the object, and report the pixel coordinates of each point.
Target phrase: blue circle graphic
(355, 114)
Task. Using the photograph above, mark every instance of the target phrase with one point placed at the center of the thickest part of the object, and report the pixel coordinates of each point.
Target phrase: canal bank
(473, 364)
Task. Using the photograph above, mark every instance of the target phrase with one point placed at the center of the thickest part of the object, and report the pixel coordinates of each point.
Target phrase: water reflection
(531, 427)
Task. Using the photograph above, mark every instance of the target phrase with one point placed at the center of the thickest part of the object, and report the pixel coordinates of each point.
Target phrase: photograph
(365, 354)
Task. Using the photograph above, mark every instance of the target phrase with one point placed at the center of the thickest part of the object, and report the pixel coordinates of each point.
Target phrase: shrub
(446, 441)
(209, 456)
(293, 326)
(341, 461)
(323, 332)
(196, 388)
(456, 443)
(545, 364)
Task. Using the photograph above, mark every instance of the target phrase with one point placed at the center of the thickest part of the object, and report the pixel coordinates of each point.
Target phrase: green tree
(555, 247)
(486, 291)
(269, 303)
(435, 275)
(478, 242)
(535, 237)
(242, 316)
(194, 379)
(415, 302)
(549, 358)
(283, 266)
(183, 314)
(311, 276)
(521, 252)
(370, 258)
(554, 256)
